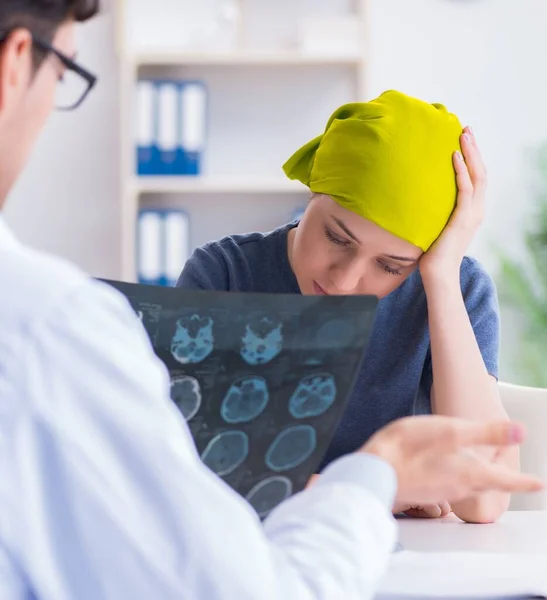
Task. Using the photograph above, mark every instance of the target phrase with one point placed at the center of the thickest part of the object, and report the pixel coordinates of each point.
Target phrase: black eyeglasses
(76, 82)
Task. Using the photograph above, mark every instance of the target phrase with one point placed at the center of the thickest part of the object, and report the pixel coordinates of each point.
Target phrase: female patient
(397, 192)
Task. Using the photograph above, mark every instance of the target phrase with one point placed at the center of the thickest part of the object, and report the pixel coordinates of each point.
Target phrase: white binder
(176, 245)
(145, 127)
(167, 112)
(149, 247)
(192, 127)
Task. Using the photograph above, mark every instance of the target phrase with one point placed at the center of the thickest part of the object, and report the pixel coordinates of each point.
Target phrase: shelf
(239, 59)
(257, 71)
(227, 185)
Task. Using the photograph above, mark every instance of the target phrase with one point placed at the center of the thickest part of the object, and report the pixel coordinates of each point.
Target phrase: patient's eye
(334, 239)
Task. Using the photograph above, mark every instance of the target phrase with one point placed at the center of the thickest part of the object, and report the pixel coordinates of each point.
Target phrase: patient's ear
(16, 69)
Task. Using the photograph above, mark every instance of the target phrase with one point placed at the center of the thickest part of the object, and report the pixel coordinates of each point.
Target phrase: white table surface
(521, 532)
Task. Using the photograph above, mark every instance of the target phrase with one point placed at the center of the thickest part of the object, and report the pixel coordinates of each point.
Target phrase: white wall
(67, 201)
(484, 59)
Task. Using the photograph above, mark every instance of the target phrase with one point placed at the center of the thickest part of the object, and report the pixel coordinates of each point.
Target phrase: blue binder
(166, 120)
(171, 127)
(163, 245)
(146, 127)
(149, 247)
(176, 244)
(193, 110)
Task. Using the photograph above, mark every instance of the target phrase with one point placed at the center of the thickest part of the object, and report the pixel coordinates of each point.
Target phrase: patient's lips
(319, 290)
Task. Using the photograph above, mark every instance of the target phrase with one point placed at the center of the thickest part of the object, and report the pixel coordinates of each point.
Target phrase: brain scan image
(313, 396)
(245, 400)
(313, 362)
(335, 334)
(267, 494)
(291, 448)
(262, 341)
(262, 380)
(226, 452)
(186, 394)
(193, 340)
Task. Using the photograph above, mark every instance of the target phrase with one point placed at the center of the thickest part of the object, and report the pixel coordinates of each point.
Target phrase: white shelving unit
(204, 185)
(264, 103)
(240, 58)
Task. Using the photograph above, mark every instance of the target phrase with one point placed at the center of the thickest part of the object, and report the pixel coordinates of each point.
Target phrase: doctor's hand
(434, 460)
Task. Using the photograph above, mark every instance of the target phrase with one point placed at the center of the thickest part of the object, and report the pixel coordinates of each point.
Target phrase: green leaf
(523, 287)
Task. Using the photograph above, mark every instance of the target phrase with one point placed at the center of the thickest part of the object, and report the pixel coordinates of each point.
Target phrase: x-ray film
(262, 380)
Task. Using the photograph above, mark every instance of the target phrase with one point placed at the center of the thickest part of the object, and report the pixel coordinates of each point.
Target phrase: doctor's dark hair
(43, 17)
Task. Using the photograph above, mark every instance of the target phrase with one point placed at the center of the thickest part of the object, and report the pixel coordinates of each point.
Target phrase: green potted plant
(522, 288)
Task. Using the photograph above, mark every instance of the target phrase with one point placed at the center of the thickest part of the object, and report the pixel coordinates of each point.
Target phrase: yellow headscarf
(389, 161)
